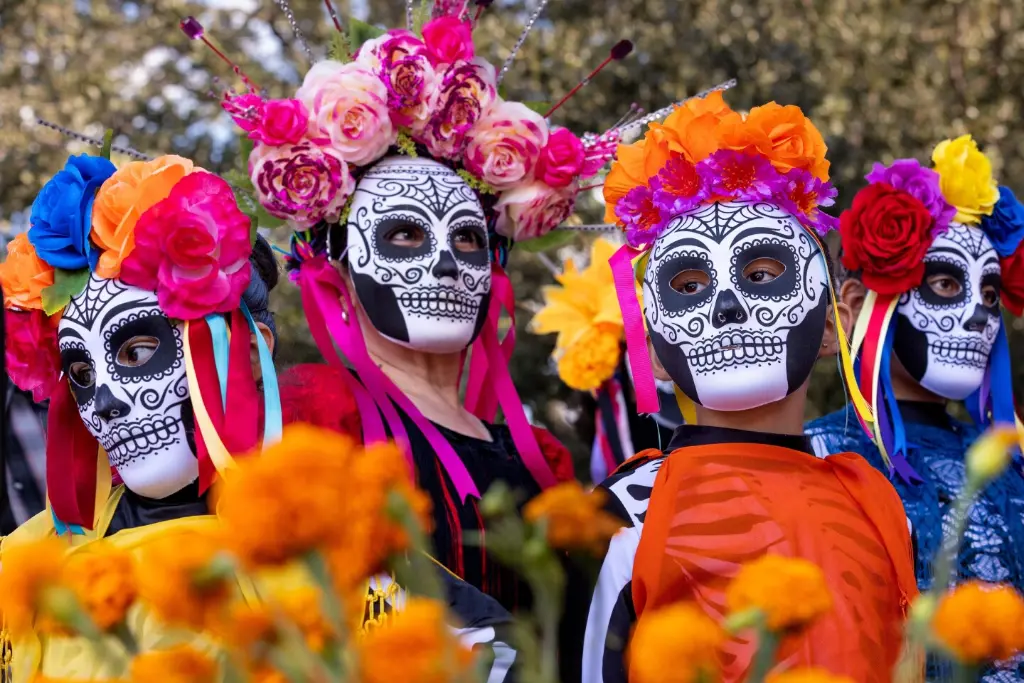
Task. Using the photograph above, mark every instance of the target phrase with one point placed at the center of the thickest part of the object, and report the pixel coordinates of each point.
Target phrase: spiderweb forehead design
(438, 189)
(971, 240)
(84, 309)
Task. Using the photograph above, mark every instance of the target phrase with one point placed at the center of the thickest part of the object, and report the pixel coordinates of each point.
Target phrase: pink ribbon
(482, 403)
(633, 326)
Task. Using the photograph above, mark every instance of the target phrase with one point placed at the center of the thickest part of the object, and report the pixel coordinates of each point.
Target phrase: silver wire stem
(522, 39)
(286, 8)
(67, 132)
(665, 111)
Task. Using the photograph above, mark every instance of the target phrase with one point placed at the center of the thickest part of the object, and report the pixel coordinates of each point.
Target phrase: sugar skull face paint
(946, 327)
(125, 363)
(736, 296)
(417, 252)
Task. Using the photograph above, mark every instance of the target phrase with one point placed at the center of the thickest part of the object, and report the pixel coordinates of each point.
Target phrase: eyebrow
(126, 306)
(466, 213)
(687, 242)
(991, 261)
(747, 232)
(948, 250)
(68, 332)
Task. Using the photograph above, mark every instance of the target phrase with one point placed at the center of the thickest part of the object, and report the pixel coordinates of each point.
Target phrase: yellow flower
(980, 622)
(990, 455)
(592, 359)
(26, 572)
(180, 664)
(416, 646)
(810, 674)
(574, 517)
(965, 177)
(103, 580)
(676, 644)
(789, 591)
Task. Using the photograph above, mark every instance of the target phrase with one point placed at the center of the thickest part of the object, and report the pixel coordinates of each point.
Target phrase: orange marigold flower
(302, 607)
(676, 644)
(592, 359)
(417, 646)
(790, 591)
(809, 674)
(180, 664)
(574, 517)
(794, 141)
(103, 580)
(26, 571)
(23, 275)
(979, 622)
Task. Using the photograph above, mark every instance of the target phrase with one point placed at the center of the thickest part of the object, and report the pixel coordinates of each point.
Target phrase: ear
(830, 340)
(656, 366)
(852, 293)
(254, 349)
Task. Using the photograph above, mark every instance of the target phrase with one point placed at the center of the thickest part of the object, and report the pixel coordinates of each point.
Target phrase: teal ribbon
(273, 422)
(221, 345)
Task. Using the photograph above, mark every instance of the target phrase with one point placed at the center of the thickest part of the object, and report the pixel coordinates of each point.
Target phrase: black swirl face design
(417, 252)
(125, 364)
(735, 297)
(946, 327)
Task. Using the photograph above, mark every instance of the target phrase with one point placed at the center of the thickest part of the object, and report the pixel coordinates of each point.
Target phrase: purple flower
(919, 182)
(803, 195)
(681, 185)
(742, 177)
(191, 28)
(641, 216)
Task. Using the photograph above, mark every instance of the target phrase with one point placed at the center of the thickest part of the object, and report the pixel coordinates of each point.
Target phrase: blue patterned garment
(993, 548)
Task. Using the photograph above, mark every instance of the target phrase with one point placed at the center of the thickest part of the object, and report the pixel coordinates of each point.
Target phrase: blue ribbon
(221, 346)
(892, 427)
(61, 528)
(273, 422)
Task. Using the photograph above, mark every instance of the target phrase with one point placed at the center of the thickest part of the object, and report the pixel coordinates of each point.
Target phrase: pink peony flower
(349, 105)
(284, 122)
(467, 91)
(33, 358)
(505, 144)
(246, 110)
(533, 210)
(449, 40)
(304, 183)
(561, 160)
(192, 249)
(402, 63)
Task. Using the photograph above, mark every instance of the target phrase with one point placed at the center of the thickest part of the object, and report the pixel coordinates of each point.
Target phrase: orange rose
(626, 173)
(124, 197)
(24, 275)
(795, 142)
(696, 125)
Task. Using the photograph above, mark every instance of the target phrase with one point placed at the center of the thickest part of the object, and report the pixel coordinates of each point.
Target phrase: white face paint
(125, 363)
(736, 295)
(417, 252)
(946, 327)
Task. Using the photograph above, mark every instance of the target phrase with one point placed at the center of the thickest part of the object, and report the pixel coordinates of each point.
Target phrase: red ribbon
(71, 453)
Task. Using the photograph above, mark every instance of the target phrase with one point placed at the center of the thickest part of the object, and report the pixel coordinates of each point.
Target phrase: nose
(978, 320)
(108, 406)
(446, 266)
(728, 310)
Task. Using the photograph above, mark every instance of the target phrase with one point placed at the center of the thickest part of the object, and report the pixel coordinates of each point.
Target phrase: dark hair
(265, 276)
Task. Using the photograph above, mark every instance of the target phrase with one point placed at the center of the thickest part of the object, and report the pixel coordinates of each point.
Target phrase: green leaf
(339, 50)
(502, 91)
(539, 107)
(108, 140)
(359, 32)
(66, 284)
(552, 240)
(266, 220)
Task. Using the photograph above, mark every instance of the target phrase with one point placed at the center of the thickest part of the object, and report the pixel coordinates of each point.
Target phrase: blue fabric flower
(1005, 227)
(62, 213)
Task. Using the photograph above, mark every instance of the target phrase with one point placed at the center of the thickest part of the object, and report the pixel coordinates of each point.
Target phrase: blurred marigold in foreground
(180, 664)
(790, 591)
(676, 644)
(810, 674)
(574, 517)
(979, 622)
(27, 571)
(103, 580)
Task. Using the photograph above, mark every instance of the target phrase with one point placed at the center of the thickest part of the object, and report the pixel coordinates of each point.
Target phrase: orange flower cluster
(27, 572)
(574, 517)
(980, 622)
(180, 664)
(24, 275)
(790, 591)
(698, 128)
(810, 674)
(103, 580)
(675, 644)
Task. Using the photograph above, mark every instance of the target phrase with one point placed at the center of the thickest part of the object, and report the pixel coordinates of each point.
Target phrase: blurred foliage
(881, 78)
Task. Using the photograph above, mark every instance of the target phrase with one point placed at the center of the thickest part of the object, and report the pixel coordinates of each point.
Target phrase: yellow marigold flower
(592, 359)
(416, 646)
(965, 177)
(980, 622)
(103, 580)
(180, 588)
(180, 664)
(25, 573)
(810, 674)
(574, 517)
(790, 591)
(990, 455)
(676, 644)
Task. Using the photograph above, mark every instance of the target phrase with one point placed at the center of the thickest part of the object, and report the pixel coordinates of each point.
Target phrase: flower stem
(329, 600)
(125, 636)
(764, 658)
(951, 545)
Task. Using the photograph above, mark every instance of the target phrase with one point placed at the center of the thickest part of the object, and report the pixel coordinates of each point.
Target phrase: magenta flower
(561, 160)
(401, 61)
(245, 109)
(303, 183)
(919, 182)
(285, 122)
(449, 40)
(803, 195)
(680, 186)
(467, 92)
(740, 176)
(641, 217)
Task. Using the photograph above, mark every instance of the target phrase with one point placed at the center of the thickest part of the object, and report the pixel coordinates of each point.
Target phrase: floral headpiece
(706, 152)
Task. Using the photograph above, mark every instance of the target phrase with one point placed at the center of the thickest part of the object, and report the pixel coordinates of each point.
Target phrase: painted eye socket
(467, 239)
(691, 281)
(137, 351)
(406, 235)
(990, 295)
(82, 374)
(763, 270)
(945, 286)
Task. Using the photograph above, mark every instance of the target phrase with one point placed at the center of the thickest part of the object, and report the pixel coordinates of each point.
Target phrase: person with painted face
(930, 254)
(738, 306)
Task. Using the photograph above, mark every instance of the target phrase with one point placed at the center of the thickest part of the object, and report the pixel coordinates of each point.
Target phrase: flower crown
(705, 152)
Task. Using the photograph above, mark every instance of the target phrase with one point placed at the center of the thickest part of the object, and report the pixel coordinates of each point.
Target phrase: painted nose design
(978, 319)
(108, 406)
(446, 266)
(728, 310)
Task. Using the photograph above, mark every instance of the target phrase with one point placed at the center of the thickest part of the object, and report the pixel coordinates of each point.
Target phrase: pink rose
(533, 210)
(349, 105)
(304, 183)
(246, 110)
(449, 40)
(402, 63)
(561, 160)
(33, 358)
(466, 93)
(284, 122)
(505, 144)
(192, 249)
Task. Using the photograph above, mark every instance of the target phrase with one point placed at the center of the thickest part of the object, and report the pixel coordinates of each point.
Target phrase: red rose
(33, 360)
(1013, 281)
(885, 235)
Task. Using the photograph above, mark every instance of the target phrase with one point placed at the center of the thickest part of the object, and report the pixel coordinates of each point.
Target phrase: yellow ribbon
(686, 406)
(220, 456)
(876, 407)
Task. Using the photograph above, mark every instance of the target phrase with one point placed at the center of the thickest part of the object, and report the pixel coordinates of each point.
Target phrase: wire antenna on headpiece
(299, 36)
(618, 52)
(665, 111)
(191, 27)
(522, 39)
(67, 132)
(408, 14)
(334, 16)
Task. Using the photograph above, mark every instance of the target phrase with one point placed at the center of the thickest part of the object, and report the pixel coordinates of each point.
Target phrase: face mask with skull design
(418, 256)
(125, 363)
(947, 326)
(736, 297)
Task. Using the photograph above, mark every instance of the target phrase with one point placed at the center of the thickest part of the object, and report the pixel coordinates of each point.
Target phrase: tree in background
(881, 78)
